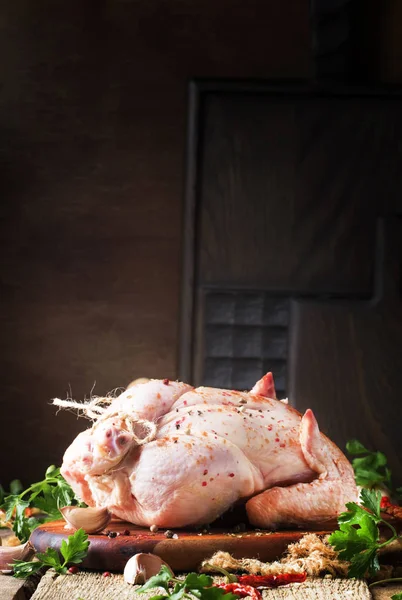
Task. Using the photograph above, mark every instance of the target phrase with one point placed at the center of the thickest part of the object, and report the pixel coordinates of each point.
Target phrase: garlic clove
(141, 567)
(90, 519)
(10, 553)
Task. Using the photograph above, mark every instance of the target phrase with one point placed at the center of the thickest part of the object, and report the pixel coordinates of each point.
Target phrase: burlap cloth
(93, 586)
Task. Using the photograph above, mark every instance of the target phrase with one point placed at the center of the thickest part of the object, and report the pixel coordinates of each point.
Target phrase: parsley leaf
(50, 558)
(349, 540)
(365, 562)
(397, 596)
(371, 469)
(358, 537)
(160, 580)
(73, 551)
(16, 487)
(198, 582)
(24, 569)
(371, 499)
(14, 507)
(199, 586)
(48, 496)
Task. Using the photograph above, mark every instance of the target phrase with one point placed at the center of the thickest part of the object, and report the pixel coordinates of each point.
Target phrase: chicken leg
(306, 503)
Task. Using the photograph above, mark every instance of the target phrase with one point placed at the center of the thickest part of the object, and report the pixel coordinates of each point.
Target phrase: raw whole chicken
(166, 454)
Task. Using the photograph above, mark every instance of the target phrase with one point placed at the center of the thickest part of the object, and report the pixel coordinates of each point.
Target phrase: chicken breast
(166, 454)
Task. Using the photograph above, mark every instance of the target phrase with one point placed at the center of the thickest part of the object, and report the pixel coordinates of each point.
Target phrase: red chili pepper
(385, 501)
(240, 590)
(272, 580)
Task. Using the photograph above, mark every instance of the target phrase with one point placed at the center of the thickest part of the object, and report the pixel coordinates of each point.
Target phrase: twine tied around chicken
(97, 409)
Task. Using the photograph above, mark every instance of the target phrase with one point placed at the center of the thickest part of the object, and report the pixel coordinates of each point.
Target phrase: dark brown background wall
(92, 140)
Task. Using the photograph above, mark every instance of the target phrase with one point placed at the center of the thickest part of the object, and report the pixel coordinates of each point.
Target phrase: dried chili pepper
(240, 590)
(271, 580)
(385, 501)
(257, 581)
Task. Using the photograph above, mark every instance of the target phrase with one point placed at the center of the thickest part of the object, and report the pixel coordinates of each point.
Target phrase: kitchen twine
(97, 409)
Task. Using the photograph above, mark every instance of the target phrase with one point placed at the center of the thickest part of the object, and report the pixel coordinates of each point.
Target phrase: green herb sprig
(73, 551)
(358, 537)
(370, 467)
(48, 496)
(199, 586)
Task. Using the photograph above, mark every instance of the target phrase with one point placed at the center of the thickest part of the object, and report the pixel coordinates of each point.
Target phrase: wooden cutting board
(183, 553)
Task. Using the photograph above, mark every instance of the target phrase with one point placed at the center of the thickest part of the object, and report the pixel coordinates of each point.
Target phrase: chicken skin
(166, 454)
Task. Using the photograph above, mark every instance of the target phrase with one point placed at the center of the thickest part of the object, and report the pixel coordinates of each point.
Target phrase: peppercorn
(73, 570)
(126, 532)
(169, 534)
(112, 534)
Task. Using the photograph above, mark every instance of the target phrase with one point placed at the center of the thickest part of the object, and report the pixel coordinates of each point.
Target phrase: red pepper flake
(231, 475)
(282, 445)
(166, 381)
(269, 427)
(73, 570)
(106, 574)
(205, 472)
(204, 483)
(185, 402)
(126, 532)
(276, 439)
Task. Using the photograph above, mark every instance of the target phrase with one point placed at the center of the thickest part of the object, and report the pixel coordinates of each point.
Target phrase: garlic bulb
(10, 553)
(91, 520)
(141, 567)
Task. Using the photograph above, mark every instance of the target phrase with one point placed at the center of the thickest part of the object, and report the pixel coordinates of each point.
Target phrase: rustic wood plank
(18, 589)
(94, 586)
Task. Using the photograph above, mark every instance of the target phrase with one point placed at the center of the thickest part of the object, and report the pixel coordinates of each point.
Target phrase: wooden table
(90, 585)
